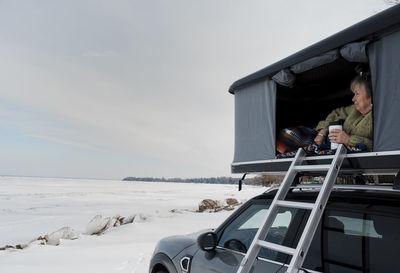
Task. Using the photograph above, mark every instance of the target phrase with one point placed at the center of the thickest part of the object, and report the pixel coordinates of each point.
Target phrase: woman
(357, 126)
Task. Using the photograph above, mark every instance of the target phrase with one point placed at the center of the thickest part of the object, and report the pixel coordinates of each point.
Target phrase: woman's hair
(363, 78)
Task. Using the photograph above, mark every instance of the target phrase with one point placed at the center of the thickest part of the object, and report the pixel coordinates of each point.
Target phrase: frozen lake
(33, 207)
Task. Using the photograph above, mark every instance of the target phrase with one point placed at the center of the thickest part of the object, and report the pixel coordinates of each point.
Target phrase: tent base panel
(358, 163)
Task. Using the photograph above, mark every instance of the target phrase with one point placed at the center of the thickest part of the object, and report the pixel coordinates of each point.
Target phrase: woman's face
(361, 99)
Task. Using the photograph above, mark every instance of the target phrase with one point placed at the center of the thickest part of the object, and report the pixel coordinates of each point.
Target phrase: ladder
(299, 253)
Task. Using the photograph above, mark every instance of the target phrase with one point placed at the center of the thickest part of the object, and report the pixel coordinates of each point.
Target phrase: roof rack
(312, 187)
(356, 163)
(372, 163)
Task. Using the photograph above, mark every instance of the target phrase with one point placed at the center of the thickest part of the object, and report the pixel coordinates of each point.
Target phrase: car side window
(354, 242)
(239, 234)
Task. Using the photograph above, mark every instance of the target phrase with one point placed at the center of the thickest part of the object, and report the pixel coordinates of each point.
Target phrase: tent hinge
(241, 181)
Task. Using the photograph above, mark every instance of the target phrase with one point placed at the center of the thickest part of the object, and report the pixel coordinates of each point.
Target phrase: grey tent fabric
(309, 64)
(255, 122)
(285, 77)
(355, 52)
(384, 56)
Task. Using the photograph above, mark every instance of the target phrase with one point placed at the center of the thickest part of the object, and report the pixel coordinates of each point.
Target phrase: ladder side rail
(252, 252)
(290, 175)
(316, 214)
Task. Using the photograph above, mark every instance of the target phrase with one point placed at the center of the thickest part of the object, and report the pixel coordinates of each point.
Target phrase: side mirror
(207, 241)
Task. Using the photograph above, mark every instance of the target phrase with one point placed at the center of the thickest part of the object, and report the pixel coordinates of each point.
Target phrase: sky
(109, 89)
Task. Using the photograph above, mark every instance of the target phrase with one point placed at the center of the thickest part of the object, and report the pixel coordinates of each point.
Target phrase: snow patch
(166, 209)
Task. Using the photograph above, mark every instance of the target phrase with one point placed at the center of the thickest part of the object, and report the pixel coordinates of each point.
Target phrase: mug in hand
(333, 126)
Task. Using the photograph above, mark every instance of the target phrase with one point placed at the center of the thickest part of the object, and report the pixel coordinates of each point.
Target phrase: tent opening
(315, 94)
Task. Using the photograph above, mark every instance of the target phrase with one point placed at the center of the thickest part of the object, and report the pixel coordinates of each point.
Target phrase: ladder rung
(299, 205)
(312, 167)
(276, 247)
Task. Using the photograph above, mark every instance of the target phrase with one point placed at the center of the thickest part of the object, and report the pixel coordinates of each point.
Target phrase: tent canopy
(370, 29)
(304, 87)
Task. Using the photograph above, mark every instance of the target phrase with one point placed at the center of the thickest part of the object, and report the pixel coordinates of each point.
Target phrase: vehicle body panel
(357, 204)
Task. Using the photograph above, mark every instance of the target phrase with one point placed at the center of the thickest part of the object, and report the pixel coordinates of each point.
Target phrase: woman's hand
(339, 136)
(321, 136)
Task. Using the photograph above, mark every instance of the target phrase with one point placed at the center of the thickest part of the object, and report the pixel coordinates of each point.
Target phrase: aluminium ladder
(299, 253)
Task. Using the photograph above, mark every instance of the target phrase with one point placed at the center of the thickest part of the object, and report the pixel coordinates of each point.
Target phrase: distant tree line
(210, 180)
(263, 180)
(267, 180)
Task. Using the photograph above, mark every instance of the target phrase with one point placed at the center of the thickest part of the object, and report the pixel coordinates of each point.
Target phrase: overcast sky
(109, 89)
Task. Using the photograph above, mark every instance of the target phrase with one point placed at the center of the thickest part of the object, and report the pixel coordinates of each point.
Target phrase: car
(359, 232)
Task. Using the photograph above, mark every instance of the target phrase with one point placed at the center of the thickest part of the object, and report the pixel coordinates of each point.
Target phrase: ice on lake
(33, 207)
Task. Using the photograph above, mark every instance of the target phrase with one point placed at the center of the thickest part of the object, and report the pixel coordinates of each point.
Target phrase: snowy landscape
(31, 208)
(103, 89)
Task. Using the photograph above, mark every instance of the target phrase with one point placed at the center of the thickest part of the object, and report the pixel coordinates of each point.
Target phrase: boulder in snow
(215, 205)
(55, 238)
(129, 219)
(98, 225)
(210, 205)
(232, 202)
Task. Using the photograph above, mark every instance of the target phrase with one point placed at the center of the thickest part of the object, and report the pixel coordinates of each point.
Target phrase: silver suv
(359, 232)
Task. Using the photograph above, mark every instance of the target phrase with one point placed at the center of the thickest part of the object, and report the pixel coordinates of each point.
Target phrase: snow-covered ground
(33, 207)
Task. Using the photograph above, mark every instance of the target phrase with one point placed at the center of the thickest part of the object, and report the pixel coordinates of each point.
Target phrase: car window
(355, 242)
(281, 220)
(239, 234)
(358, 227)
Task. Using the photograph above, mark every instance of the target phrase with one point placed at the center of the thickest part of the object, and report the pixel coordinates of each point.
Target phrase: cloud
(146, 88)
(98, 53)
(67, 142)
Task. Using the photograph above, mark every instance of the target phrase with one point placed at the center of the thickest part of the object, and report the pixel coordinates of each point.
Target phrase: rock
(38, 242)
(232, 202)
(210, 205)
(215, 205)
(175, 211)
(98, 225)
(228, 208)
(109, 224)
(63, 233)
(7, 247)
(21, 246)
(128, 219)
(119, 221)
(113, 221)
(116, 220)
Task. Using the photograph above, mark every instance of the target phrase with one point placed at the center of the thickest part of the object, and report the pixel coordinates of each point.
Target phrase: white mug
(334, 146)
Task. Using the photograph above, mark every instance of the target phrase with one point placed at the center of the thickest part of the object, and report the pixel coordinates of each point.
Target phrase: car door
(356, 238)
(235, 238)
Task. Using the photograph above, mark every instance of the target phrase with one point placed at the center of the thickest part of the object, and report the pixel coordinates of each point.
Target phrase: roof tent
(306, 86)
